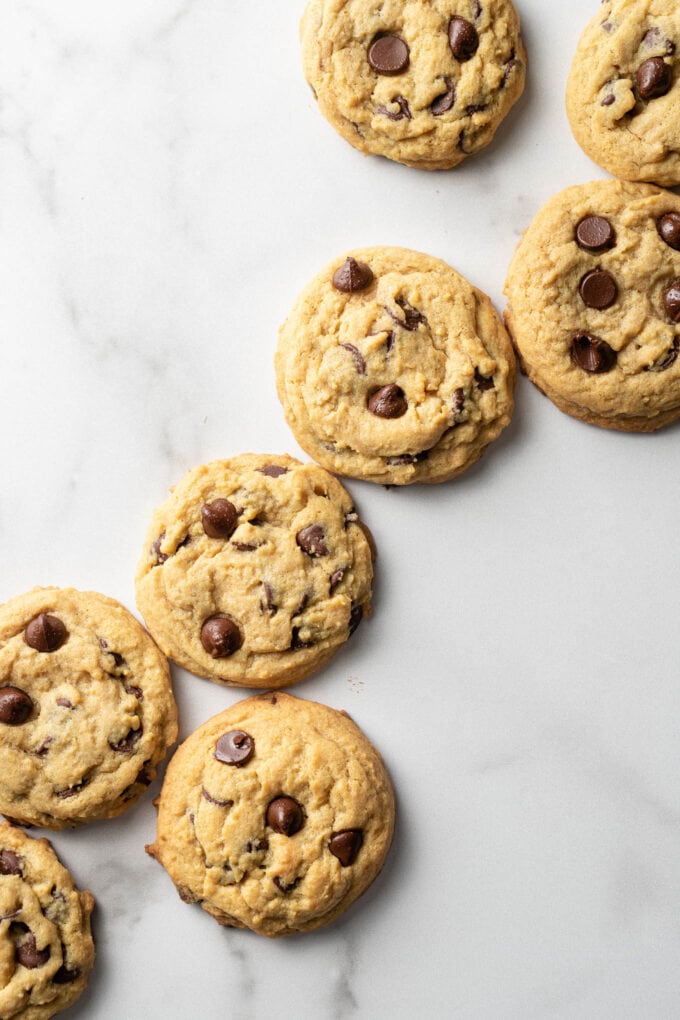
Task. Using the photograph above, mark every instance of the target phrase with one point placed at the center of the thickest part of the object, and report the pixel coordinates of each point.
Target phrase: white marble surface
(166, 188)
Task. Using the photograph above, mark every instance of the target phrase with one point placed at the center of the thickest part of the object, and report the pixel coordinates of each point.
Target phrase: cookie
(275, 815)
(594, 304)
(86, 708)
(255, 571)
(623, 90)
(46, 948)
(423, 82)
(393, 368)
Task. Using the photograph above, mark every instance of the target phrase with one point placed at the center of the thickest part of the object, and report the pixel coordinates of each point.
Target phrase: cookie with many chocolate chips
(423, 82)
(406, 375)
(46, 948)
(594, 304)
(623, 90)
(275, 815)
(86, 708)
(255, 571)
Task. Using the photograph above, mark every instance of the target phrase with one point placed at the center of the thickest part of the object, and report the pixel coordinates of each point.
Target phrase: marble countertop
(167, 187)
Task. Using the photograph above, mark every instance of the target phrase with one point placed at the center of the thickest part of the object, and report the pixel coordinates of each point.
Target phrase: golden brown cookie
(255, 571)
(86, 708)
(275, 815)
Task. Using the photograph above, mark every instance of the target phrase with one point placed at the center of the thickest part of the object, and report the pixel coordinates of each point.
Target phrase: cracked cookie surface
(255, 571)
(423, 82)
(86, 708)
(275, 815)
(46, 949)
(391, 367)
(594, 304)
(623, 90)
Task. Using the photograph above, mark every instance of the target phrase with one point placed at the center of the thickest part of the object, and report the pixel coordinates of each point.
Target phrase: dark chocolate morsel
(15, 706)
(345, 845)
(335, 579)
(592, 354)
(28, 954)
(215, 800)
(388, 402)
(129, 742)
(388, 54)
(296, 642)
(595, 233)
(484, 382)
(312, 540)
(9, 863)
(64, 976)
(220, 636)
(359, 361)
(161, 557)
(444, 102)
(355, 618)
(404, 112)
(668, 359)
(285, 815)
(45, 633)
(463, 39)
(273, 470)
(654, 78)
(352, 276)
(235, 748)
(412, 317)
(669, 229)
(598, 289)
(671, 301)
(286, 888)
(219, 518)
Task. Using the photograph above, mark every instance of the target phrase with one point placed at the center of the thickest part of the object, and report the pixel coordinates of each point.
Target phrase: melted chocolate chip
(654, 78)
(335, 579)
(608, 100)
(444, 102)
(296, 642)
(412, 317)
(45, 633)
(129, 742)
(458, 402)
(15, 706)
(159, 556)
(598, 289)
(483, 382)
(388, 54)
(403, 113)
(592, 354)
(352, 276)
(668, 227)
(345, 845)
(463, 39)
(595, 233)
(215, 800)
(28, 954)
(286, 888)
(312, 540)
(671, 301)
(245, 546)
(653, 38)
(64, 976)
(388, 402)
(669, 358)
(220, 636)
(269, 606)
(65, 703)
(407, 458)
(71, 791)
(219, 518)
(285, 815)
(508, 68)
(355, 618)
(273, 470)
(359, 362)
(235, 748)
(10, 863)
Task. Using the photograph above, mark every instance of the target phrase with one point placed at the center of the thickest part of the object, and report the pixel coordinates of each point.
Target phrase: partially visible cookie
(46, 948)
(623, 92)
(275, 815)
(393, 368)
(594, 304)
(86, 708)
(423, 82)
(255, 571)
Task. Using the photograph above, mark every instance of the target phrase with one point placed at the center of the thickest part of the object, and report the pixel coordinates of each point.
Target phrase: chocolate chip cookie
(255, 571)
(86, 708)
(623, 90)
(46, 949)
(393, 368)
(423, 82)
(594, 304)
(275, 815)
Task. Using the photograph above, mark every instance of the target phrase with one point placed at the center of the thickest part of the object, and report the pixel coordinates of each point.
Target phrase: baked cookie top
(86, 708)
(594, 303)
(46, 949)
(423, 82)
(623, 92)
(275, 815)
(255, 570)
(393, 368)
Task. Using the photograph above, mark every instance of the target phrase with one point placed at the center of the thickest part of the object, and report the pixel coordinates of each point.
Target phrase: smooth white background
(167, 187)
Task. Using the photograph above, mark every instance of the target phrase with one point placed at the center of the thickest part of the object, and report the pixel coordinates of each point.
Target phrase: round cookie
(594, 304)
(86, 708)
(275, 815)
(393, 368)
(423, 82)
(623, 90)
(46, 949)
(255, 571)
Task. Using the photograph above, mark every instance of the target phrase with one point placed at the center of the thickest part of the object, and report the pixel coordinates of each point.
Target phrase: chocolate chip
(483, 382)
(45, 633)
(412, 317)
(653, 38)
(286, 888)
(388, 54)
(296, 643)
(235, 748)
(359, 362)
(458, 402)
(608, 100)
(215, 800)
(668, 227)
(285, 815)
(159, 556)
(463, 39)
(257, 846)
(9, 863)
(671, 301)
(273, 470)
(345, 845)
(595, 233)
(388, 402)
(269, 606)
(65, 703)
(129, 742)
(355, 618)
(71, 791)
(592, 354)
(508, 68)
(352, 276)
(42, 749)
(15, 706)
(474, 108)
(312, 540)
(404, 112)
(335, 579)
(219, 518)
(64, 976)
(28, 954)
(668, 359)
(654, 78)
(444, 102)
(245, 546)
(220, 636)
(407, 458)
(598, 289)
